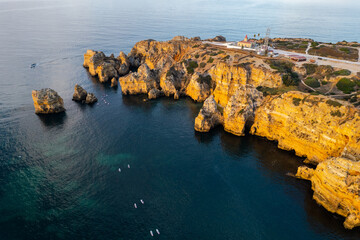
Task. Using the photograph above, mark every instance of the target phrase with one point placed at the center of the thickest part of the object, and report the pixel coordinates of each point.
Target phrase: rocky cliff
(316, 127)
(47, 101)
(182, 66)
(106, 68)
(336, 186)
(325, 130)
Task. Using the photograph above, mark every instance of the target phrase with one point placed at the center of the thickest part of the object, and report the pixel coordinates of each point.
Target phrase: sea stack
(79, 93)
(47, 101)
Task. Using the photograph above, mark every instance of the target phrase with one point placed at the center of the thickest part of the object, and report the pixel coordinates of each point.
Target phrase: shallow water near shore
(60, 174)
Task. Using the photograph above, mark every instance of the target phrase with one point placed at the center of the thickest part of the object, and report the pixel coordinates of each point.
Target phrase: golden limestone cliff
(229, 78)
(156, 54)
(240, 109)
(209, 116)
(106, 68)
(238, 112)
(141, 81)
(336, 186)
(182, 66)
(316, 127)
(199, 87)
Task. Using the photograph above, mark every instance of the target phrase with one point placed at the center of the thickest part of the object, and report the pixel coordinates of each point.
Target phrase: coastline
(235, 90)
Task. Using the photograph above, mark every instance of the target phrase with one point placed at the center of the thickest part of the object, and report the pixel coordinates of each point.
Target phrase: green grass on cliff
(342, 72)
(191, 65)
(310, 68)
(346, 85)
(312, 82)
(211, 60)
(289, 77)
(296, 101)
(333, 103)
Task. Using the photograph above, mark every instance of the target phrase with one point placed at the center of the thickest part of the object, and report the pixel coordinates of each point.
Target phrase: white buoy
(128, 165)
(142, 201)
(158, 232)
(135, 206)
(151, 233)
(119, 169)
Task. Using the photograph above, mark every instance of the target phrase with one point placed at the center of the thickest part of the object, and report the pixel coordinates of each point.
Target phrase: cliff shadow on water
(276, 164)
(53, 120)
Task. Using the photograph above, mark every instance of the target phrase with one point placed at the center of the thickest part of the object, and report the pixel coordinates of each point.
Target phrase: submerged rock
(336, 186)
(79, 93)
(91, 98)
(209, 116)
(47, 101)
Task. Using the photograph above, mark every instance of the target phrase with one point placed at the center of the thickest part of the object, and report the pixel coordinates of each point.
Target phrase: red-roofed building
(246, 43)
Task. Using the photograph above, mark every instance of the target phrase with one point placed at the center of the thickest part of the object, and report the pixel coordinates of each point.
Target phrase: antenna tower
(266, 42)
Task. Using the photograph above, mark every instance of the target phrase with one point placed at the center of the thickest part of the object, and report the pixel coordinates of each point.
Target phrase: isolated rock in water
(209, 116)
(240, 109)
(114, 82)
(199, 87)
(154, 93)
(90, 98)
(336, 186)
(79, 93)
(47, 101)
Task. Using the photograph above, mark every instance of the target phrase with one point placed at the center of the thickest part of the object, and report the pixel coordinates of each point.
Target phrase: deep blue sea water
(59, 175)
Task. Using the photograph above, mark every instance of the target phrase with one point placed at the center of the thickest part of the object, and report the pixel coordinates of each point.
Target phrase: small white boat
(119, 169)
(158, 232)
(128, 165)
(142, 201)
(151, 233)
(135, 206)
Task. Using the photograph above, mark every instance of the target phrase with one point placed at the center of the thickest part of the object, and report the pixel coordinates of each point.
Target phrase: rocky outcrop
(154, 93)
(140, 82)
(106, 68)
(198, 88)
(336, 186)
(171, 81)
(124, 64)
(90, 98)
(240, 109)
(157, 54)
(114, 82)
(316, 127)
(217, 39)
(229, 78)
(79, 93)
(209, 116)
(47, 101)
